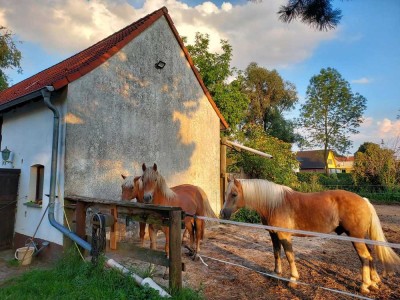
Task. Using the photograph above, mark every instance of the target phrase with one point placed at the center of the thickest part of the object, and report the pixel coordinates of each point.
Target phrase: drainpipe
(46, 92)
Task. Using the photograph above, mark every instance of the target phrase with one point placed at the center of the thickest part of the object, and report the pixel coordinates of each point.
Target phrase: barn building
(133, 97)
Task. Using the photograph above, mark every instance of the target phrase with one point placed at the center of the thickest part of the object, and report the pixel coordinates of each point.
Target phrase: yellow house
(313, 161)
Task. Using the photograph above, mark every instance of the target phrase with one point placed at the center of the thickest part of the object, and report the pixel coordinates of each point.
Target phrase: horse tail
(389, 258)
(208, 211)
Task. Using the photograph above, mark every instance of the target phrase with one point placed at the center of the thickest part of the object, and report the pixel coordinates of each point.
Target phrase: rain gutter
(46, 93)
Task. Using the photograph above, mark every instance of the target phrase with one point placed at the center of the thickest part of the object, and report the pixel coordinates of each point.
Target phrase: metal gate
(8, 200)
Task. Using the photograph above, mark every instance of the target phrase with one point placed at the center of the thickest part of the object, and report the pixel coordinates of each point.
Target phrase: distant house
(133, 97)
(344, 164)
(313, 161)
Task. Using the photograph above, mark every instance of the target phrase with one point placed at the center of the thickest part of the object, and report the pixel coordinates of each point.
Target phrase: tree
(277, 126)
(269, 96)
(267, 89)
(375, 165)
(331, 112)
(316, 13)
(10, 56)
(215, 71)
(280, 169)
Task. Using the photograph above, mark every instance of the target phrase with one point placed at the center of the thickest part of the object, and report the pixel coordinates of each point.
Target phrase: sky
(364, 48)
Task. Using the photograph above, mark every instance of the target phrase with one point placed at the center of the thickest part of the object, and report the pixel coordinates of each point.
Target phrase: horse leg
(142, 232)
(366, 259)
(166, 232)
(374, 274)
(199, 231)
(153, 236)
(277, 252)
(286, 241)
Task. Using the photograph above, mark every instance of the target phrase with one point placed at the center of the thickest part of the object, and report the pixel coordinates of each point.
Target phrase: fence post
(175, 256)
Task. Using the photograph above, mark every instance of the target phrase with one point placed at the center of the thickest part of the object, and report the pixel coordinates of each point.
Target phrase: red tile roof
(85, 61)
(344, 158)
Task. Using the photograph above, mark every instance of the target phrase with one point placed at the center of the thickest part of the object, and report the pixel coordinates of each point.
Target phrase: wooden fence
(167, 216)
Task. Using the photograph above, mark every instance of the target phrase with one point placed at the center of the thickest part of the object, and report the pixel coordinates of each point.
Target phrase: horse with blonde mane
(132, 189)
(192, 199)
(339, 211)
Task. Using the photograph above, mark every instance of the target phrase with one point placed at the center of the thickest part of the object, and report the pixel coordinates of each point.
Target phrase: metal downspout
(46, 93)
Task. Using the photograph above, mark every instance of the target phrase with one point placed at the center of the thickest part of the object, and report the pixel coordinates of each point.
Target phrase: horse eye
(234, 195)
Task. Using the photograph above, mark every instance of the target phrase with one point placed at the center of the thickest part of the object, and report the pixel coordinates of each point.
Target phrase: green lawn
(72, 278)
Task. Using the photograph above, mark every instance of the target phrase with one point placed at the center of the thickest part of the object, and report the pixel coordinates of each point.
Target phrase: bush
(247, 216)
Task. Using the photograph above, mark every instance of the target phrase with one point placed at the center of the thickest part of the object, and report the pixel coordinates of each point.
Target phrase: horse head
(150, 181)
(233, 199)
(131, 188)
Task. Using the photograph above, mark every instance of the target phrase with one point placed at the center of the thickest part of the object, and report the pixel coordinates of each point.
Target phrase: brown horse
(132, 189)
(192, 199)
(325, 212)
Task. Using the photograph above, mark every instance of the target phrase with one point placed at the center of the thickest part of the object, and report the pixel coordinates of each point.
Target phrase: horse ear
(155, 167)
(136, 178)
(235, 180)
(144, 167)
(123, 176)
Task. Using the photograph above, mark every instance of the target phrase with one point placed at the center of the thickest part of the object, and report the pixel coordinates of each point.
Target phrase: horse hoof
(364, 290)
(292, 284)
(373, 287)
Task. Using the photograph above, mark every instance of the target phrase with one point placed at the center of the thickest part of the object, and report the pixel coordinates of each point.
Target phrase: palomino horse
(131, 189)
(325, 212)
(190, 198)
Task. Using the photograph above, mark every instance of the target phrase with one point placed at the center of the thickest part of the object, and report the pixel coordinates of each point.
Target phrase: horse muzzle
(147, 198)
(225, 213)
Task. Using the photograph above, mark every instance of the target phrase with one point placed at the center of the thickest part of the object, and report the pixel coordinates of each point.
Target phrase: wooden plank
(80, 219)
(175, 255)
(121, 203)
(114, 228)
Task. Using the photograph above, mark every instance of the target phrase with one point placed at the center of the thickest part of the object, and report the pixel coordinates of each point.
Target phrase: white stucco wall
(28, 132)
(127, 112)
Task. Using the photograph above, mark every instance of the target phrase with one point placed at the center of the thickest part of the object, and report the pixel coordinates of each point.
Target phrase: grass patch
(72, 278)
(13, 263)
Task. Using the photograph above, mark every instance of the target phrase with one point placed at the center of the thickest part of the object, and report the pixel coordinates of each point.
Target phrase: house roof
(311, 159)
(344, 158)
(69, 70)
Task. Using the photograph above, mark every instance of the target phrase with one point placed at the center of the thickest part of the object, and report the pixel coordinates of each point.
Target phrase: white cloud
(253, 29)
(376, 131)
(363, 80)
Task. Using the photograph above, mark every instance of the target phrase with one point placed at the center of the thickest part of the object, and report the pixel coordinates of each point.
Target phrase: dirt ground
(322, 264)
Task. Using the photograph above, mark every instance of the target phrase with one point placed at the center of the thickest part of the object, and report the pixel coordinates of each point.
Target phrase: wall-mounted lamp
(160, 65)
(6, 156)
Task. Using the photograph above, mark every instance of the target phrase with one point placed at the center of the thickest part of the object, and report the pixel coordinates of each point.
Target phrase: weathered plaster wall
(127, 112)
(28, 131)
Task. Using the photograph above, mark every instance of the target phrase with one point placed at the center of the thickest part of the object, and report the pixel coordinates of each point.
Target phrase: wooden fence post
(223, 170)
(175, 255)
(114, 228)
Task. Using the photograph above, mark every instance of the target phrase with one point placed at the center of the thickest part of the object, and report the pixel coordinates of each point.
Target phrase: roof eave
(20, 101)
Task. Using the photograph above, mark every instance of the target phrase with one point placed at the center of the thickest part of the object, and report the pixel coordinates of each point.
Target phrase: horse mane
(128, 182)
(150, 174)
(259, 193)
